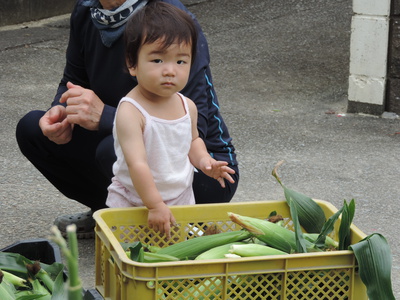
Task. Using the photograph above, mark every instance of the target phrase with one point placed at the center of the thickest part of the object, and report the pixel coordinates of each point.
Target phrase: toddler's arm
(129, 126)
(201, 159)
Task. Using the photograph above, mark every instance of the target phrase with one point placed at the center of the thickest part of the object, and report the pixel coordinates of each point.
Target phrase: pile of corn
(24, 279)
(257, 238)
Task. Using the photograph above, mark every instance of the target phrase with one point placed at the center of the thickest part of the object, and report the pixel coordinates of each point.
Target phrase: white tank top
(167, 144)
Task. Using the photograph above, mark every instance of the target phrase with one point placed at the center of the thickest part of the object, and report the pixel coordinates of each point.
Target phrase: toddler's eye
(181, 62)
(157, 61)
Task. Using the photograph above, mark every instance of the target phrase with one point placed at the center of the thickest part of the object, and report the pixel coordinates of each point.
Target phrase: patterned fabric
(111, 23)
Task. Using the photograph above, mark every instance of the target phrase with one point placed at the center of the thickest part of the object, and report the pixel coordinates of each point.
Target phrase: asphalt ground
(280, 69)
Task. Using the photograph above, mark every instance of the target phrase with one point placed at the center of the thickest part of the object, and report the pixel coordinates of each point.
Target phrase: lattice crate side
(255, 286)
(306, 284)
(333, 284)
(207, 287)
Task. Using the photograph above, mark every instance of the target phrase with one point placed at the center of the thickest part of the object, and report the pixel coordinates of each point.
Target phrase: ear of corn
(231, 255)
(36, 270)
(38, 288)
(150, 257)
(153, 249)
(329, 242)
(189, 249)
(248, 250)
(13, 279)
(217, 252)
(272, 234)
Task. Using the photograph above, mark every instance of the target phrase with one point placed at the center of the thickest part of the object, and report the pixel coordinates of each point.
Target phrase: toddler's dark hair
(158, 21)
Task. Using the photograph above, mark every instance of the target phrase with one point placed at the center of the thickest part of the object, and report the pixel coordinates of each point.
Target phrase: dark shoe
(84, 224)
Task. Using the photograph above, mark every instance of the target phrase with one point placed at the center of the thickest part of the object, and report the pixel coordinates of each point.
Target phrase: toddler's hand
(218, 170)
(160, 219)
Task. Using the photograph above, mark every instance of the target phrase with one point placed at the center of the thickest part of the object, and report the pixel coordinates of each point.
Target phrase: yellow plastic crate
(320, 276)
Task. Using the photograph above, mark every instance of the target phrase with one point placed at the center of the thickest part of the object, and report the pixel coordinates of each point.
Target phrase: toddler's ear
(132, 71)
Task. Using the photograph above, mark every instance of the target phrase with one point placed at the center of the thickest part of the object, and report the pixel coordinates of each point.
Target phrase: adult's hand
(55, 125)
(84, 107)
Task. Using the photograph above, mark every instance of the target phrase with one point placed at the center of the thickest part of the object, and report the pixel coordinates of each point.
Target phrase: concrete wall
(19, 11)
(393, 83)
(368, 56)
(374, 80)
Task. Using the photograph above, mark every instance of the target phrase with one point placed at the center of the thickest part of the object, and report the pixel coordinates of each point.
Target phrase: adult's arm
(79, 61)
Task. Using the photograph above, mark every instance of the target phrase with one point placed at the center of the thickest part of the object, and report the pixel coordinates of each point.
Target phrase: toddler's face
(163, 72)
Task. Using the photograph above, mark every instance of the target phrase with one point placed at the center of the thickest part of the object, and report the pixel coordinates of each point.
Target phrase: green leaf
(300, 243)
(7, 290)
(126, 246)
(136, 251)
(375, 263)
(28, 295)
(16, 264)
(327, 229)
(59, 290)
(311, 216)
(344, 229)
(33, 296)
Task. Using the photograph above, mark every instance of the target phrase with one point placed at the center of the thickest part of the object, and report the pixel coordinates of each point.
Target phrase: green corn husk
(16, 264)
(149, 257)
(272, 234)
(329, 242)
(153, 249)
(249, 250)
(7, 289)
(217, 252)
(13, 279)
(31, 295)
(135, 251)
(4, 293)
(39, 289)
(231, 255)
(36, 270)
(191, 248)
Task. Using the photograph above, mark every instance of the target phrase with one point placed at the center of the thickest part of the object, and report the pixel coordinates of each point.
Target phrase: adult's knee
(28, 130)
